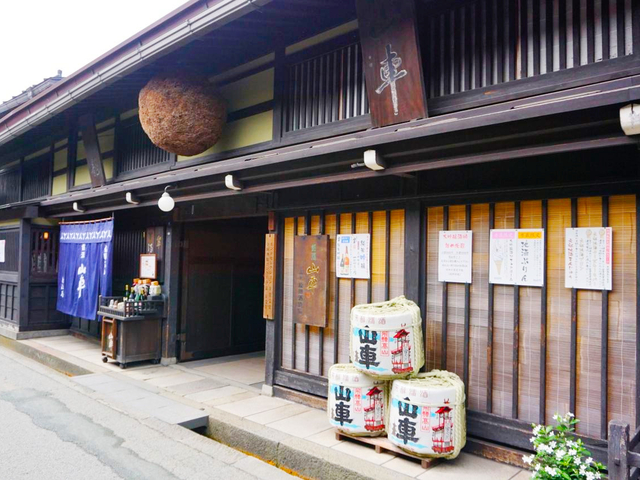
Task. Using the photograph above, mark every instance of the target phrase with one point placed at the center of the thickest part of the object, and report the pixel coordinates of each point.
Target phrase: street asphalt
(52, 429)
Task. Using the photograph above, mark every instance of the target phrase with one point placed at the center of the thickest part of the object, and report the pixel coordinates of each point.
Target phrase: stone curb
(44, 358)
(303, 457)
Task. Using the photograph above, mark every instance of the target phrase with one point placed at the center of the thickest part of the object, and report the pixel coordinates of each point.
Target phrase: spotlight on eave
(630, 119)
(78, 208)
(374, 161)
(232, 183)
(131, 198)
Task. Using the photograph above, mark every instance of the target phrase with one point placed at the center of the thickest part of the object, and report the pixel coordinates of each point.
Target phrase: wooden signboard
(392, 64)
(311, 279)
(268, 306)
(92, 149)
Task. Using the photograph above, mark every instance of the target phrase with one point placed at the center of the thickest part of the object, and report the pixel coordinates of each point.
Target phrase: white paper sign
(455, 256)
(2, 247)
(352, 255)
(588, 258)
(516, 257)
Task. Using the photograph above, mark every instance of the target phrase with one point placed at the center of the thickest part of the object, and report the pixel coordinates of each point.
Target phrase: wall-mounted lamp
(374, 161)
(131, 198)
(45, 235)
(78, 208)
(166, 203)
(630, 119)
(232, 183)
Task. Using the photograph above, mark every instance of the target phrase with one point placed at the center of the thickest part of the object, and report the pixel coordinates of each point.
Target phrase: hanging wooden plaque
(392, 64)
(311, 279)
(268, 306)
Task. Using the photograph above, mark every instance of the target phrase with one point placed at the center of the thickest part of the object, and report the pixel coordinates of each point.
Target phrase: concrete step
(144, 402)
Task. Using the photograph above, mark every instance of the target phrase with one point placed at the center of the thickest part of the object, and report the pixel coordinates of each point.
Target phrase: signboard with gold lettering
(311, 279)
(269, 277)
(392, 65)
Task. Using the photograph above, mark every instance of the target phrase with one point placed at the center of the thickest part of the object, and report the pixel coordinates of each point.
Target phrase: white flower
(588, 460)
(557, 417)
(577, 461)
(553, 444)
(552, 471)
(532, 439)
(590, 476)
(537, 429)
(572, 452)
(570, 415)
(583, 469)
(528, 459)
(537, 467)
(571, 443)
(560, 453)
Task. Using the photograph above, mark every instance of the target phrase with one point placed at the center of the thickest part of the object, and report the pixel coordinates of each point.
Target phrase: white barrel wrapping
(386, 339)
(356, 403)
(426, 415)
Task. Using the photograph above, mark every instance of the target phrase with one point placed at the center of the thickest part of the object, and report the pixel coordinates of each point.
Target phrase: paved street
(52, 429)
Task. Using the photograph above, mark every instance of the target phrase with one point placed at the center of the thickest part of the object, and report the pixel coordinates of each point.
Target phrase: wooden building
(520, 128)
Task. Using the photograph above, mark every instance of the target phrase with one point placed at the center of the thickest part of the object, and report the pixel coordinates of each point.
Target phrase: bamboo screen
(525, 358)
(313, 349)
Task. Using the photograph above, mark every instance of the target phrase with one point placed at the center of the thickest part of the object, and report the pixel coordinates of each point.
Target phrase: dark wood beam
(92, 148)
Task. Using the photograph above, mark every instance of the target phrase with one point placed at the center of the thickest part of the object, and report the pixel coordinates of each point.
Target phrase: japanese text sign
(311, 279)
(353, 253)
(455, 256)
(588, 258)
(516, 257)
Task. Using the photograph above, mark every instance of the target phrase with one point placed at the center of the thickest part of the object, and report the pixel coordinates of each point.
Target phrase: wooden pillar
(412, 251)
(24, 273)
(618, 448)
(172, 290)
(273, 341)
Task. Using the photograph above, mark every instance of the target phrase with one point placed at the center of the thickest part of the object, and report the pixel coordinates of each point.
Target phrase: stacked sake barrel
(382, 387)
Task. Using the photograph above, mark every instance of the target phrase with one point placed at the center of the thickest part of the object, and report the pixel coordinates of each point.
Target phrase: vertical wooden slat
(543, 321)
(477, 56)
(591, 32)
(524, 39)
(574, 323)
(468, 52)
(456, 35)
(307, 231)
(606, 32)
(370, 280)
(293, 323)
(336, 304)
(387, 254)
(308, 103)
(347, 87)
(562, 34)
(356, 83)
(445, 226)
(424, 234)
(467, 313)
(513, 39)
(620, 26)
(576, 36)
(296, 102)
(637, 402)
(536, 37)
(488, 25)
(335, 84)
(321, 231)
(500, 41)
(516, 333)
(492, 225)
(447, 56)
(604, 341)
(549, 36)
(437, 72)
(431, 75)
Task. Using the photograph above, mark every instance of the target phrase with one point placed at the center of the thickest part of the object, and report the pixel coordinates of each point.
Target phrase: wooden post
(172, 287)
(412, 260)
(618, 448)
(92, 148)
(24, 270)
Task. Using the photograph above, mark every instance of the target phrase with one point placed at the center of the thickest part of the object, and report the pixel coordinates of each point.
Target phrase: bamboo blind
(546, 347)
(387, 280)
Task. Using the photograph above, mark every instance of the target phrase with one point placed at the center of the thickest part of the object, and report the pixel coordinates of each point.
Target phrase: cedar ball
(181, 113)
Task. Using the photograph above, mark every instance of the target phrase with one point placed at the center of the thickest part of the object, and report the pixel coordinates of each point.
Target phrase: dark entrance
(222, 280)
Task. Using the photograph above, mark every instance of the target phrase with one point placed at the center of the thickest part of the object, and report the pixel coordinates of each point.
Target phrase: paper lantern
(181, 113)
(356, 402)
(386, 339)
(426, 415)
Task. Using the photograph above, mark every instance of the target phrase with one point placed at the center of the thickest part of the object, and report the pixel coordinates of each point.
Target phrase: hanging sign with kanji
(311, 279)
(392, 64)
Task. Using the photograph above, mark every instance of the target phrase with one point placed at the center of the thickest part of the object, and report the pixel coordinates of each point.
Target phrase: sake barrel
(386, 339)
(426, 415)
(356, 403)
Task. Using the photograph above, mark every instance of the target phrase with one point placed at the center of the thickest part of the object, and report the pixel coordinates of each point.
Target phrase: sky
(40, 37)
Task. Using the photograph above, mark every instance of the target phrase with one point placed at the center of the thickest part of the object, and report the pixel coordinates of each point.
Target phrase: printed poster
(2, 249)
(455, 256)
(517, 257)
(588, 258)
(352, 256)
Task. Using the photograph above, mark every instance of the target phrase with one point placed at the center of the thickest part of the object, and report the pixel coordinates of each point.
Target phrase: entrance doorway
(222, 281)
